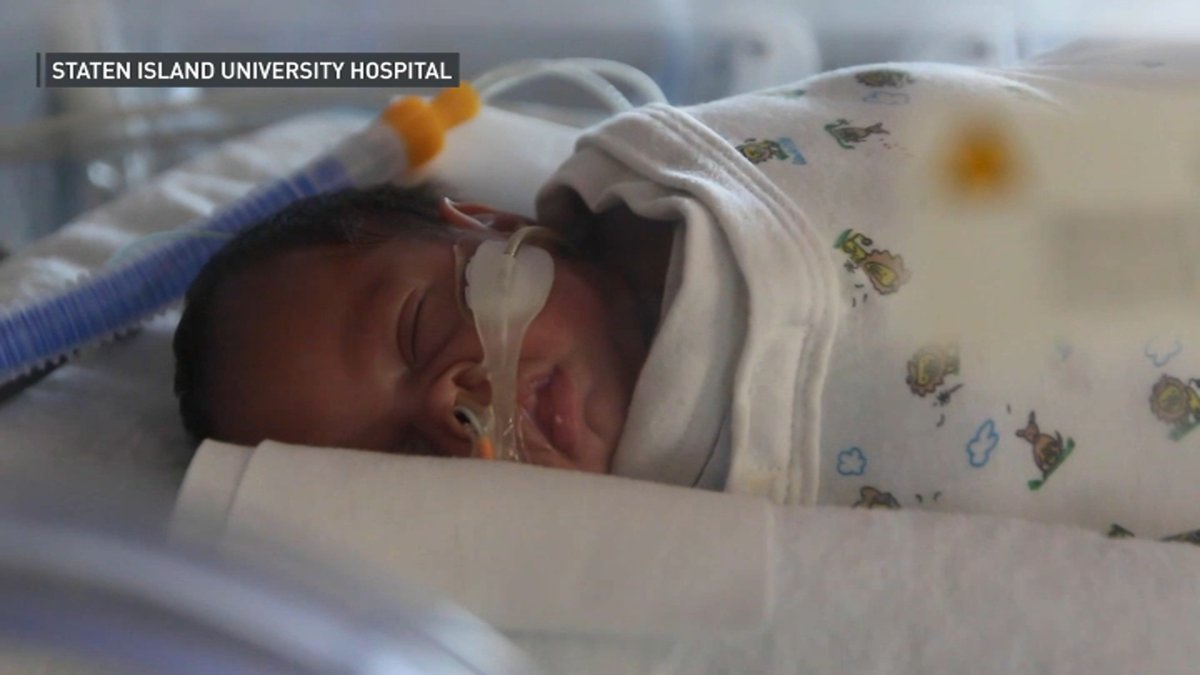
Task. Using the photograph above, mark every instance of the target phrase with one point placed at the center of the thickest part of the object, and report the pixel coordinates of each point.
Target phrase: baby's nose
(471, 402)
(474, 386)
(464, 384)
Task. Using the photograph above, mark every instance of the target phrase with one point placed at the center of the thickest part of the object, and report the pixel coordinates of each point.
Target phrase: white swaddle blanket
(781, 353)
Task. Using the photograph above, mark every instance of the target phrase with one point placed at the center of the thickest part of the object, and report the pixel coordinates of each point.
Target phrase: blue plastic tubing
(115, 299)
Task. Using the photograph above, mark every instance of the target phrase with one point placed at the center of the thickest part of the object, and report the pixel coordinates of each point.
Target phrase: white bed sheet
(611, 575)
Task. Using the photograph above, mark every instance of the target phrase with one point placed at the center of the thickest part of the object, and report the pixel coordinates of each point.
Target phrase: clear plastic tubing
(113, 300)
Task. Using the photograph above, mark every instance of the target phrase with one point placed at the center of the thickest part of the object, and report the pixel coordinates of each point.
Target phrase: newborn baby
(339, 322)
(728, 316)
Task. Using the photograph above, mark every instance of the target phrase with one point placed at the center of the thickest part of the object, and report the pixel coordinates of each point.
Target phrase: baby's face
(367, 348)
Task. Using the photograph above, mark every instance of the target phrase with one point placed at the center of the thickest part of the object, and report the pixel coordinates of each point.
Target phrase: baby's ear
(480, 217)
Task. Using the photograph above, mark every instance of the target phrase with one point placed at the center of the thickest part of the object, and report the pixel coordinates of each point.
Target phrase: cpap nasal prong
(468, 419)
(481, 444)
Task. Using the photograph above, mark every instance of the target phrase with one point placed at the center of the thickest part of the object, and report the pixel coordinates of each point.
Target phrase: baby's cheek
(573, 313)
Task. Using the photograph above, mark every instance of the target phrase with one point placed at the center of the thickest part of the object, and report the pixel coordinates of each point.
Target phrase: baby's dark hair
(346, 218)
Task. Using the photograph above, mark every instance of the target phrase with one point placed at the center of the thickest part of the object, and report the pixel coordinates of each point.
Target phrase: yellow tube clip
(423, 125)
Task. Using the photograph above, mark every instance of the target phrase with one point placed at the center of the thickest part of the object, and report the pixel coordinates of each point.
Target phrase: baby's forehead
(309, 265)
(283, 288)
(288, 271)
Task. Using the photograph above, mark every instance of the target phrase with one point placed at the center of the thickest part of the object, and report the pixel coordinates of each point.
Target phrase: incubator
(594, 573)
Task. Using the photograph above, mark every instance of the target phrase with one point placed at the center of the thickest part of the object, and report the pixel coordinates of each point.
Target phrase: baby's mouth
(547, 404)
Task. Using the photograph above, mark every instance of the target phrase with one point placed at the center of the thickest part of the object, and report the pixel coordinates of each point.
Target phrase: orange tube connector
(485, 448)
(423, 124)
